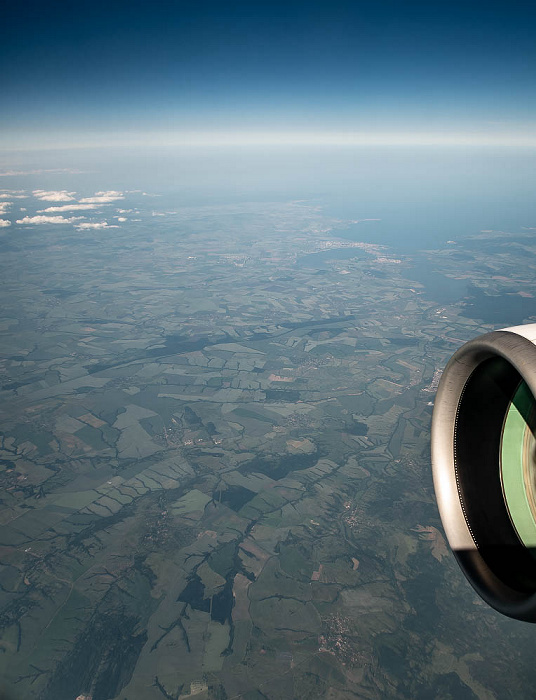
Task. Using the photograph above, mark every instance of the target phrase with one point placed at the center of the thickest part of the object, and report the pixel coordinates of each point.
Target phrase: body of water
(318, 261)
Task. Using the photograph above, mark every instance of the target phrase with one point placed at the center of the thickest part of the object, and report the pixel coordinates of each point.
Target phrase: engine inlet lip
(520, 353)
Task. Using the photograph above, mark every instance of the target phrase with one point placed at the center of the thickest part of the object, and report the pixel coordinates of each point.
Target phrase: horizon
(253, 138)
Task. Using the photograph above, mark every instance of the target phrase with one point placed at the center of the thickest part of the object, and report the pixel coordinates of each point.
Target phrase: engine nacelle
(484, 465)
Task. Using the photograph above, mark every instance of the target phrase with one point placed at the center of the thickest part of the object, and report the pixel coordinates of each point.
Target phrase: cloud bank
(70, 207)
(48, 220)
(88, 225)
(54, 195)
(103, 197)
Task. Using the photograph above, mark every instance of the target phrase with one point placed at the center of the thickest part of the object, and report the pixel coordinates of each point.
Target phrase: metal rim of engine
(516, 346)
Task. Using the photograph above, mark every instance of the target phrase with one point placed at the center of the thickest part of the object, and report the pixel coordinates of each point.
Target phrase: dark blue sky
(89, 68)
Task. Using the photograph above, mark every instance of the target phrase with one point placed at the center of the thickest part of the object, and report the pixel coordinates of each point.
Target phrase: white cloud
(54, 195)
(4, 223)
(48, 220)
(70, 207)
(103, 197)
(121, 218)
(4, 206)
(12, 195)
(88, 225)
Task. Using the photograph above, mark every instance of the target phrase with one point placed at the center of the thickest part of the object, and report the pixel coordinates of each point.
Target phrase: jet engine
(484, 465)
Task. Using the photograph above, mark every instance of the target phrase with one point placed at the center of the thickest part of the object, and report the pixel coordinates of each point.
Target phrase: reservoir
(318, 261)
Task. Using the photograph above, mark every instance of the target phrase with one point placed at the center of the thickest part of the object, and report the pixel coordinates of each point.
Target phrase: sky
(88, 73)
